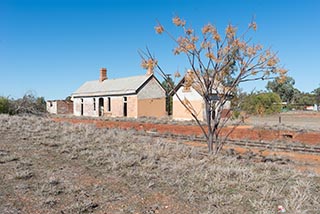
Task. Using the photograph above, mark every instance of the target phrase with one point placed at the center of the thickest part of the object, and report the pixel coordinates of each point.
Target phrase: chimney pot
(103, 74)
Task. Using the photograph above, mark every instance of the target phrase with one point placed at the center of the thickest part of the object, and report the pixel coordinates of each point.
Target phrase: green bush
(262, 103)
(4, 105)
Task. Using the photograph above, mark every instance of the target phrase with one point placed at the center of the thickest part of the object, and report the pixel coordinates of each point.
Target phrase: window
(94, 104)
(109, 104)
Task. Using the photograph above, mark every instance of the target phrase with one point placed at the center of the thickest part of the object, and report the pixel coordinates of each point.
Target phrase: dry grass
(49, 167)
(295, 121)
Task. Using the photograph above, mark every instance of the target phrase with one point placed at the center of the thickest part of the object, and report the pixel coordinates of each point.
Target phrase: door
(125, 107)
(81, 107)
(101, 107)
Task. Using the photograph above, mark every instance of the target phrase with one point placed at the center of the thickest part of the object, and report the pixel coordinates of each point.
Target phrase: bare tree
(218, 64)
(28, 104)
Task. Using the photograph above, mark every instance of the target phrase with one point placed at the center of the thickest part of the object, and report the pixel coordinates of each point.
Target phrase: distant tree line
(293, 97)
(279, 96)
(28, 104)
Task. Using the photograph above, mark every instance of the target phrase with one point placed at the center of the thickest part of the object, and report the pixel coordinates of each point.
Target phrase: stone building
(134, 96)
(59, 107)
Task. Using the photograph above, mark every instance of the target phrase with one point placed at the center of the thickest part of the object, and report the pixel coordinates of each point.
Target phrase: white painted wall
(191, 95)
(52, 107)
(88, 106)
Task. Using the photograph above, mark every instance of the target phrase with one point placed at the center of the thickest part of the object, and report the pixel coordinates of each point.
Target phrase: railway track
(273, 146)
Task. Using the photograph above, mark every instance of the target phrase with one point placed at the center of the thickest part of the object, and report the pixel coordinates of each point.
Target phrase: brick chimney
(149, 71)
(150, 66)
(103, 74)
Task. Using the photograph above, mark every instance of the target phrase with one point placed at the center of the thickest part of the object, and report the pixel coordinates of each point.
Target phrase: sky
(51, 47)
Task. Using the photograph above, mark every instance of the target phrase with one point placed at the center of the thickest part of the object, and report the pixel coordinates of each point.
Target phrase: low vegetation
(49, 167)
(28, 104)
(261, 104)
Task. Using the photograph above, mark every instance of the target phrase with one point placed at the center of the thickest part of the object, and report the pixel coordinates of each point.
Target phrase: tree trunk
(218, 145)
(210, 143)
(209, 121)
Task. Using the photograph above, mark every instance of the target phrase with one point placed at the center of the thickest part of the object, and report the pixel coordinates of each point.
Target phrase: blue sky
(51, 47)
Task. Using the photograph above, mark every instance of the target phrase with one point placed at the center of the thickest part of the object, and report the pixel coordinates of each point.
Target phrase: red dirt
(304, 162)
(238, 133)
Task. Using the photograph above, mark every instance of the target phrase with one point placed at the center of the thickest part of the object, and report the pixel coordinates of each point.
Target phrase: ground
(50, 167)
(296, 128)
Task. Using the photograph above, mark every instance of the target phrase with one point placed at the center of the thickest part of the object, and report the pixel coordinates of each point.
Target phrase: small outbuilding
(134, 97)
(59, 106)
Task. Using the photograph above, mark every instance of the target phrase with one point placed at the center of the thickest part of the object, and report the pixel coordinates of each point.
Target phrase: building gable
(190, 94)
(151, 89)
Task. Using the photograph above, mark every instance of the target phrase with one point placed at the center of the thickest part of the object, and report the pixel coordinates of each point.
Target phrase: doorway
(125, 107)
(101, 107)
(81, 107)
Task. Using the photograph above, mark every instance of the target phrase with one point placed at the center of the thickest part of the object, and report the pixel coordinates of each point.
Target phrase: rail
(243, 143)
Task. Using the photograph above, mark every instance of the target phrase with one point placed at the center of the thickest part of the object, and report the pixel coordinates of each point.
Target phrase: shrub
(262, 103)
(28, 104)
(4, 105)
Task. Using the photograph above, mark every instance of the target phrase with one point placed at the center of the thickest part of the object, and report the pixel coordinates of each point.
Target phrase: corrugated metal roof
(110, 87)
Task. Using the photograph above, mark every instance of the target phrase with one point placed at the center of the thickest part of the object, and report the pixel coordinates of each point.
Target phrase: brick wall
(64, 107)
(179, 112)
(152, 107)
(89, 107)
(60, 107)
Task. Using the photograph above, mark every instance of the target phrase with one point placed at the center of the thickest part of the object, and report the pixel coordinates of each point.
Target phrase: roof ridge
(143, 75)
(114, 86)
